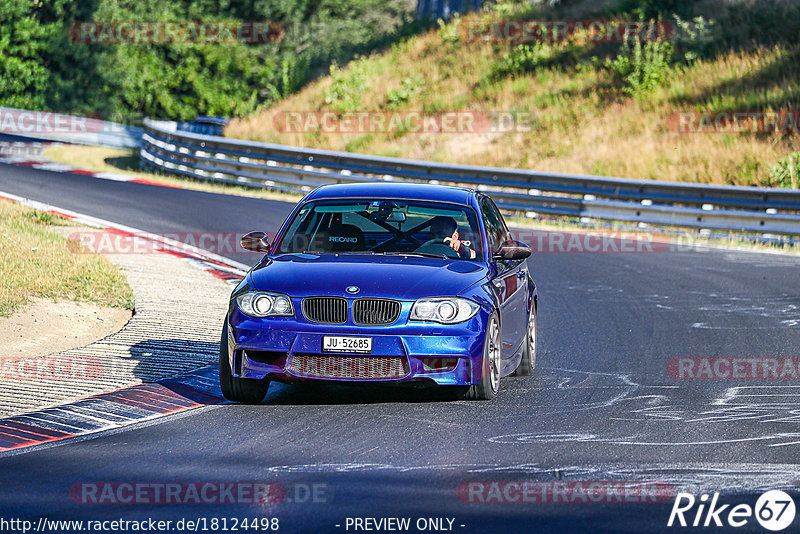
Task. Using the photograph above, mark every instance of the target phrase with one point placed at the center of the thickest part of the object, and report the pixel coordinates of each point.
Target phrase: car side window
(495, 227)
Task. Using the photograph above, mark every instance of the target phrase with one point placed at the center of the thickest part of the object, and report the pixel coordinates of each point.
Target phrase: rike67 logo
(774, 510)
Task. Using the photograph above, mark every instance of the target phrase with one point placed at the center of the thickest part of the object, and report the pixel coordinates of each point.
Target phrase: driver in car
(445, 229)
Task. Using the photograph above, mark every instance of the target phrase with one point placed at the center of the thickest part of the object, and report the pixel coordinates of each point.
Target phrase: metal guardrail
(45, 126)
(287, 168)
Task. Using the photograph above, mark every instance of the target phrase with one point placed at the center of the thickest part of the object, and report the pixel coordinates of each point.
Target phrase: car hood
(398, 277)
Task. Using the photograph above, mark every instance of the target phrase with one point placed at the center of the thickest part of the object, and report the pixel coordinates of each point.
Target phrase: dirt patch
(46, 327)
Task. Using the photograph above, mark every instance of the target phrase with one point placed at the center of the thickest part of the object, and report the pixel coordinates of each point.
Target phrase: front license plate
(360, 345)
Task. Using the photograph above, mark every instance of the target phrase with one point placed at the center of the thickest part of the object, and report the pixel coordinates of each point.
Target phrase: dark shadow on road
(159, 359)
(332, 393)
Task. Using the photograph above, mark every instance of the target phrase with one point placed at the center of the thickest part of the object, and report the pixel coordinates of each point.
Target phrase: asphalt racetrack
(607, 403)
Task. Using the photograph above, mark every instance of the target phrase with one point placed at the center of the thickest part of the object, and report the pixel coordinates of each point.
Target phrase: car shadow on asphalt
(172, 362)
(328, 393)
(158, 359)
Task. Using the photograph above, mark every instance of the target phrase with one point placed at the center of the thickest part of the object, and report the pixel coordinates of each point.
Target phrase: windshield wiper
(416, 254)
(368, 252)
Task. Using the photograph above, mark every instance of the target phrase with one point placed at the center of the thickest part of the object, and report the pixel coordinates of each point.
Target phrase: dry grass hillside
(580, 105)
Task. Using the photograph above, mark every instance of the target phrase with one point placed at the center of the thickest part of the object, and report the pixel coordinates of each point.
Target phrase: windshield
(384, 227)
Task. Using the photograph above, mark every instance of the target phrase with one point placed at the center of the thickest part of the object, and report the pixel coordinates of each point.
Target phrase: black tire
(487, 388)
(528, 361)
(243, 390)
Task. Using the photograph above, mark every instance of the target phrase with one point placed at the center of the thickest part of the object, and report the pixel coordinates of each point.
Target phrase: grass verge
(37, 262)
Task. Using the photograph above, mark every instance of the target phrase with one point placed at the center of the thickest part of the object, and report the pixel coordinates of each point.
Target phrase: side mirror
(256, 241)
(512, 250)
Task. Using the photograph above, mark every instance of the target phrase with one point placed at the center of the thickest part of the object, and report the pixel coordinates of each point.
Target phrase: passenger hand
(456, 244)
(454, 241)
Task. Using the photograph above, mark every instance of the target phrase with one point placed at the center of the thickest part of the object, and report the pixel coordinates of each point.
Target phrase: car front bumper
(289, 350)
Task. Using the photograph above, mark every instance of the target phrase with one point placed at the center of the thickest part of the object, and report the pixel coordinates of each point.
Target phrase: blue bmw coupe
(401, 283)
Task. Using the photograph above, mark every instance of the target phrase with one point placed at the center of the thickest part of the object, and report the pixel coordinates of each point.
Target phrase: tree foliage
(42, 68)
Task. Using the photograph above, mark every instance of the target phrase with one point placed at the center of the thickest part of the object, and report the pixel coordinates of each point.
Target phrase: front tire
(243, 390)
(489, 384)
(528, 361)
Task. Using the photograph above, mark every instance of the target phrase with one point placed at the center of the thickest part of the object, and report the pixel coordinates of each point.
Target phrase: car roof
(408, 191)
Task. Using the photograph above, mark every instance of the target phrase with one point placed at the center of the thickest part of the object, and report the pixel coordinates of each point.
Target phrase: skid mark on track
(783, 438)
(761, 261)
(765, 404)
(755, 404)
(618, 397)
(694, 477)
(592, 390)
(780, 311)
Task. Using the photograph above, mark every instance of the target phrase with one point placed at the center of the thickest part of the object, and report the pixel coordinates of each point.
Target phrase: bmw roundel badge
(353, 290)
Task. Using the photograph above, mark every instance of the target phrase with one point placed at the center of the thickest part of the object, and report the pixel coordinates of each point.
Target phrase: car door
(510, 281)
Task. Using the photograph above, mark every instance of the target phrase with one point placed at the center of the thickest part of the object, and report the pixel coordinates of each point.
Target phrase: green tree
(24, 72)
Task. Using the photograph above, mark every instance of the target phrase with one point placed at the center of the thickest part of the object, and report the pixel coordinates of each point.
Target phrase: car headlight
(447, 310)
(265, 304)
